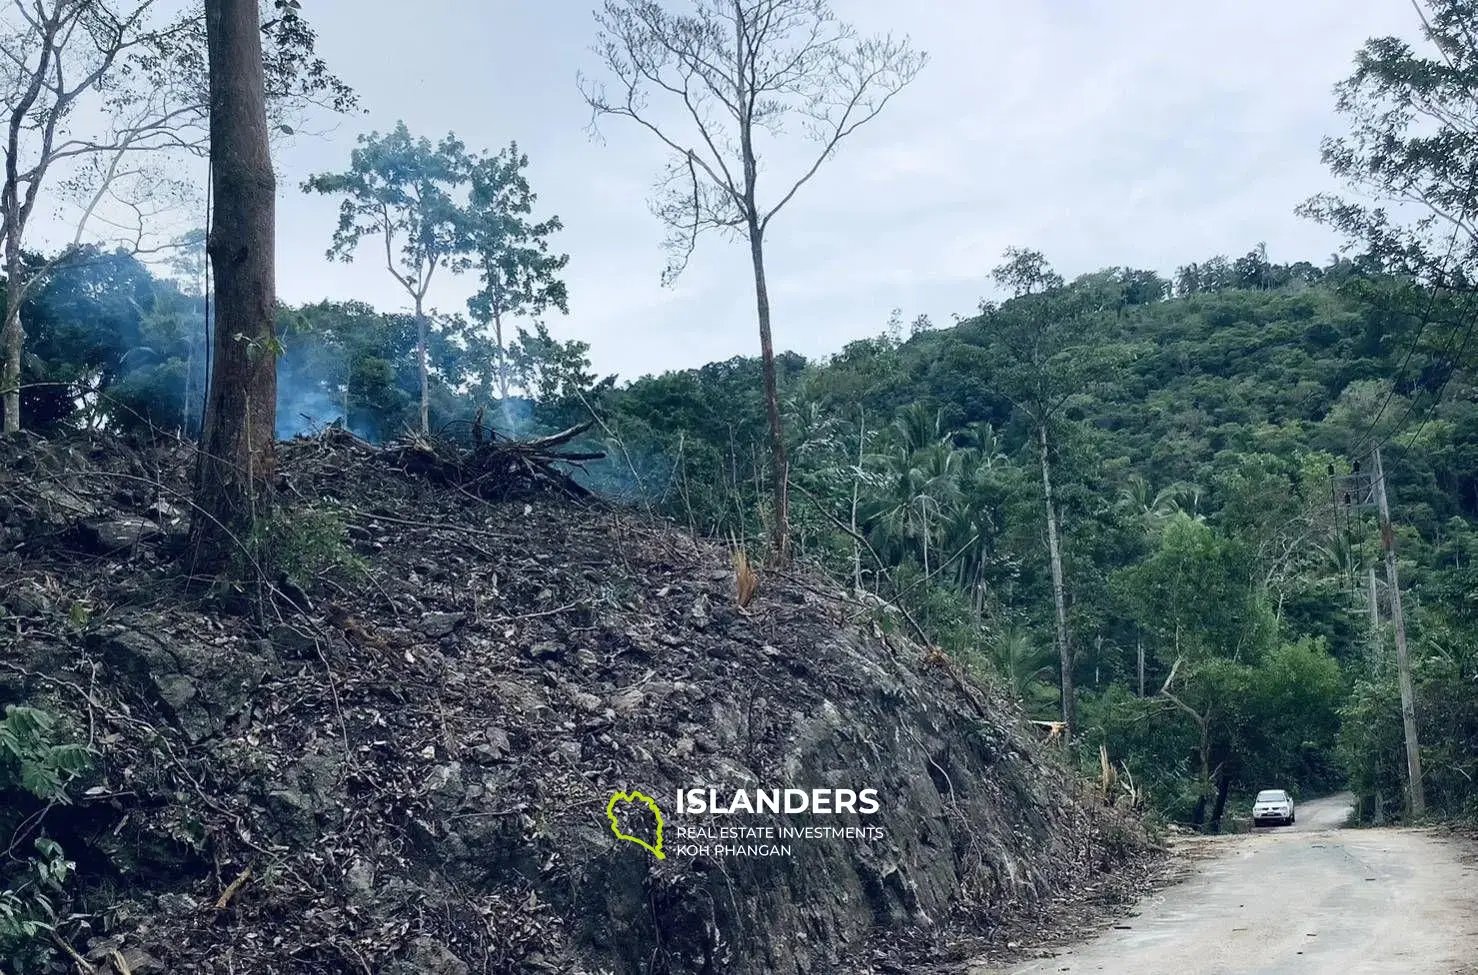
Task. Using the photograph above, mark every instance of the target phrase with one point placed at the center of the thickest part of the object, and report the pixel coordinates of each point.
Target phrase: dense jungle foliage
(1209, 442)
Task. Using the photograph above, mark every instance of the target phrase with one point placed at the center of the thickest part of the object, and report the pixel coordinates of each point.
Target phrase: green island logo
(655, 849)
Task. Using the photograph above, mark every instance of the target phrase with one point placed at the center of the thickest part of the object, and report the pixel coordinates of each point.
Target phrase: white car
(1272, 806)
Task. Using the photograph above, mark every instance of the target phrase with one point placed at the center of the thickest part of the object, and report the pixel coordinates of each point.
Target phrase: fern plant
(28, 912)
(33, 761)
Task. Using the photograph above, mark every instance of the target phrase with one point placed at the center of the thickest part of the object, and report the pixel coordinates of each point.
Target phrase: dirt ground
(392, 747)
(1311, 898)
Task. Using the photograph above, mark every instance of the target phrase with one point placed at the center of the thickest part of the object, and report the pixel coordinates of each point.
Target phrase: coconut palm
(1153, 511)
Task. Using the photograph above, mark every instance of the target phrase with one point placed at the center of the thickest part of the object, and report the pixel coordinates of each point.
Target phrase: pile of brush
(496, 469)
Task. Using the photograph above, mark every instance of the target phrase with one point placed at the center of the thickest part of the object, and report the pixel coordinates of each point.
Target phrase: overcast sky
(1147, 133)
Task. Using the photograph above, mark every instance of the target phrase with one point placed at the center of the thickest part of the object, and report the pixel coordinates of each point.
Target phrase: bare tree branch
(758, 63)
(725, 72)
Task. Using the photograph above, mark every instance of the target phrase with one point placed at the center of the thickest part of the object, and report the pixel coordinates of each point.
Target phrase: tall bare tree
(1045, 357)
(141, 65)
(729, 73)
(236, 457)
(55, 52)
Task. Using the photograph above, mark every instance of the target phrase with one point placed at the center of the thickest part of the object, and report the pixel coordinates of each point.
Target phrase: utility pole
(1418, 798)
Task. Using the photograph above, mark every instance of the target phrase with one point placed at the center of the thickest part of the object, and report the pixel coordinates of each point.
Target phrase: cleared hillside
(396, 752)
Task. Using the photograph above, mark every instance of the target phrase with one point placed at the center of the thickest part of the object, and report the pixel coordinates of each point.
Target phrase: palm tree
(1154, 511)
(1022, 662)
(983, 438)
(813, 433)
(916, 427)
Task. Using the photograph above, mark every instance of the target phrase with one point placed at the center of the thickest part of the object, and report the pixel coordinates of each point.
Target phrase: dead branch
(234, 889)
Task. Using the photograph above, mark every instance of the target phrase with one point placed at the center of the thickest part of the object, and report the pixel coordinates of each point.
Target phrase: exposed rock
(116, 534)
(59, 506)
(441, 624)
(359, 880)
(628, 702)
(200, 686)
(699, 615)
(589, 703)
(494, 749)
(445, 783)
(429, 957)
(294, 815)
(122, 960)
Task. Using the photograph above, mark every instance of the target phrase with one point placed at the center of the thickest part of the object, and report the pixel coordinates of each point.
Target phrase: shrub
(33, 761)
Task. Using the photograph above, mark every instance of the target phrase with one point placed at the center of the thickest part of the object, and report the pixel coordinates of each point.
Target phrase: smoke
(513, 417)
(305, 408)
(630, 473)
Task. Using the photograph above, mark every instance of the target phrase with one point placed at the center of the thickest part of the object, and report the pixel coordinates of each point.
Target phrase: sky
(1146, 133)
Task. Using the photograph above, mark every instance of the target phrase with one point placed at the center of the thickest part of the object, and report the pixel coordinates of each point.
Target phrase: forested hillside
(1192, 432)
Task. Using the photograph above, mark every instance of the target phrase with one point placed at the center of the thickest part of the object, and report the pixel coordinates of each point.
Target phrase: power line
(1410, 350)
(1453, 364)
(1452, 358)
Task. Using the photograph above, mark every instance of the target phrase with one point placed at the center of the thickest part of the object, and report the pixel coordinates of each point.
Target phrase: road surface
(1310, 899)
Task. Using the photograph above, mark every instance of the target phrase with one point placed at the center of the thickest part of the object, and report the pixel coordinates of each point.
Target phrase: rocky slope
(395, 752)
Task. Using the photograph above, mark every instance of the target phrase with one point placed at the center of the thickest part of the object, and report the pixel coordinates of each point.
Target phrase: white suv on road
(1272, 806)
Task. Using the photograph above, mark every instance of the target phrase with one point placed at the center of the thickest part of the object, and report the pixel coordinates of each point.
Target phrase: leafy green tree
(520, 275)
(146, 65)
(408, 192)
(1042, 339)
(1413, 144)
(1199, 605)
(548, 370)
(1198, 596)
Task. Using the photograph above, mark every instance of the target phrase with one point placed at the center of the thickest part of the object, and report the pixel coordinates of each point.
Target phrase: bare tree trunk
(1223, 788)
(422, 367)
(185, 396)
(1374, 608)
(236, 459)
(1198, 817)
(1054, 553)
(1139, 645)
(502, 358)
(744, 68)
(781, 528)
(12, 334)
(508, 415)
(856, 481)
(15, 217)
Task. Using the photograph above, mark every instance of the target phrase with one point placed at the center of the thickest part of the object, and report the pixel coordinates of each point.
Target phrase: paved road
(1310, 899)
